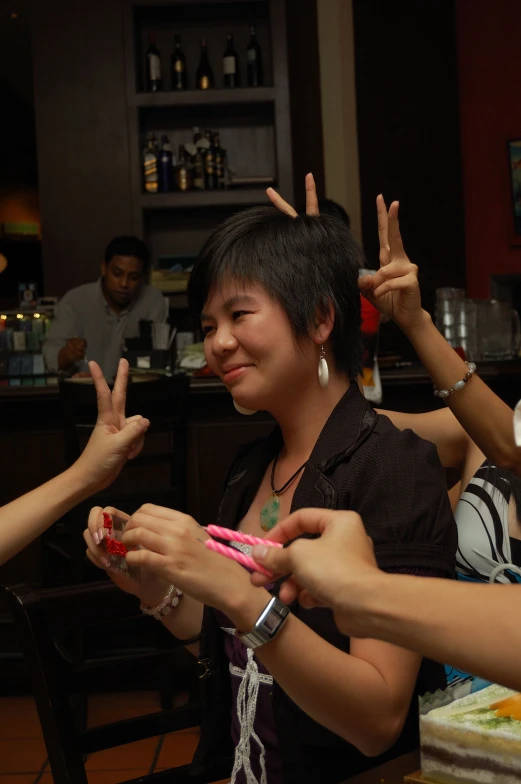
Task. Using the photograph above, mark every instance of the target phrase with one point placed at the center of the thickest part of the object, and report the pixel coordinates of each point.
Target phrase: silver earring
(245, 411)
(323, 370)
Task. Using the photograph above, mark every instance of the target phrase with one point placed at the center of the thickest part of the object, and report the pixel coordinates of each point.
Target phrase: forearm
(27, 517)
(470, 626)
(346, 694)
(493, 433)
(185, 622)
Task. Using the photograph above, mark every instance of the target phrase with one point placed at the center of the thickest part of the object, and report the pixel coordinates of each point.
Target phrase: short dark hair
(330, 207)
(304, 263)
(128, 246)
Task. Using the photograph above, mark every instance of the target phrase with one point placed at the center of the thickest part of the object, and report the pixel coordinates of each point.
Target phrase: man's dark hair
(330, 207)
(304, 263)
(128, 246)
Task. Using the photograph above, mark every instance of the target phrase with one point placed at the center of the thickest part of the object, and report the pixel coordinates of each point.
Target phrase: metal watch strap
(268, 624)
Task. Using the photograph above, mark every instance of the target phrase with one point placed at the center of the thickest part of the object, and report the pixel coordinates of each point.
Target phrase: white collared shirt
(84, 313)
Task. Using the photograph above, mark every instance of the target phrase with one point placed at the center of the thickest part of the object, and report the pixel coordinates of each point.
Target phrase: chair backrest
(42, 618)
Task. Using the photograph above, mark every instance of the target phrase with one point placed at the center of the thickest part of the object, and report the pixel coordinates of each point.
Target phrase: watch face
(270, 622)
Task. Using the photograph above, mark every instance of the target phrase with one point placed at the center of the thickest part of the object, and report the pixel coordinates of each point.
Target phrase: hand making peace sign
(115, 439)
(394, 288)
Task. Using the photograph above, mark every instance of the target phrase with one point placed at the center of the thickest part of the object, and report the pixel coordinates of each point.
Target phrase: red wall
(489, 58)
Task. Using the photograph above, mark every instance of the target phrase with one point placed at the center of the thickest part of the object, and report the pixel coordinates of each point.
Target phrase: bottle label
(198, 178)
(154, 66)
(229, 65)
(150, 167)
(179, 66)
(251, 55)
(204, 83)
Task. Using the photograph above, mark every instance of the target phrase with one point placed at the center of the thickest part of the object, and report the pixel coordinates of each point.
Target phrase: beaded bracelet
(444, 393)
(170, 600)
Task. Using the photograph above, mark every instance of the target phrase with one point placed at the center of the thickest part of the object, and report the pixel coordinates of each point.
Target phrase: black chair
(157, 475)
(43, 620)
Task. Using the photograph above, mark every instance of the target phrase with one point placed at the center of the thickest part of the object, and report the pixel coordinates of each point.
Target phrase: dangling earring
(245, 411)
(323, 370)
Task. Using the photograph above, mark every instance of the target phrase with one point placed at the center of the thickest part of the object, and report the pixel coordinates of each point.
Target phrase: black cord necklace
(269, 514)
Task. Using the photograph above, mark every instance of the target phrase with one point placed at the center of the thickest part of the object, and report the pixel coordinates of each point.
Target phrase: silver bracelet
(170, 600)
(444, 393)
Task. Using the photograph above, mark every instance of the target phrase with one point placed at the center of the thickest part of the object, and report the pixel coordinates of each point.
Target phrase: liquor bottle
(254, 60)
(150, 164)
(219, 162)
(165, 172)
(198, 161)
(183, 172)
(179, 76)
(209, 169)
(152, 66)
(204, 76)
(230, 64)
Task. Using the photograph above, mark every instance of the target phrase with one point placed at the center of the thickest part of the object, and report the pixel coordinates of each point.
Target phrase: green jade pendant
(269, 515)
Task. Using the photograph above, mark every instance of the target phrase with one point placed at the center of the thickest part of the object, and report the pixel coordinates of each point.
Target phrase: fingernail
(95, 537)
(259, 552)
(105, 562)
(100, 534)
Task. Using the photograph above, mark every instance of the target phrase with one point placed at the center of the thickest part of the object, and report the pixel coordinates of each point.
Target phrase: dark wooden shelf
(162, 201)
(205, 97)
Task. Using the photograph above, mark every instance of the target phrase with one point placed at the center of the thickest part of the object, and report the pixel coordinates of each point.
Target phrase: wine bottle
(204, 75)
(150, 164)
(152, 66)
(219, 162)
(254, 60)
(198, 161)
(183, 172)
(230, 64)
(165, 172)
(179, 75)
(209, 169)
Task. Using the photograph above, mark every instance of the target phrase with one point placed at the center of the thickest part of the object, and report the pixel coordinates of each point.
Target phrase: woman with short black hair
(279, 306)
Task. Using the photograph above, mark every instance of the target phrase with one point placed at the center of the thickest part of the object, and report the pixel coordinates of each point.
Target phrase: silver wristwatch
(268, 625)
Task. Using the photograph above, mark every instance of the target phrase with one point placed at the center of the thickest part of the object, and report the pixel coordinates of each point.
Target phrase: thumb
(277, 560)
(132, 431)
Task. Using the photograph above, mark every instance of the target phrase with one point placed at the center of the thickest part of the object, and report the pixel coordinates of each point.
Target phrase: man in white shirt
(95, 319)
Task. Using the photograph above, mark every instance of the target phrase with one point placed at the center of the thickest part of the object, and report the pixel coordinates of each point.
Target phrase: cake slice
(474, 740)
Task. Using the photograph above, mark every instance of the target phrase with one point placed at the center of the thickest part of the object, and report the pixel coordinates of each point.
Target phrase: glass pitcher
(499, 330)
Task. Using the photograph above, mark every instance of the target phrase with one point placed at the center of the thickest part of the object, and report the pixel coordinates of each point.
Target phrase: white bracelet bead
(444, 393)
(165, 607)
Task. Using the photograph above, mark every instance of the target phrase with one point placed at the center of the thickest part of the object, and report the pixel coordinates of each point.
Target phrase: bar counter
(31, 438)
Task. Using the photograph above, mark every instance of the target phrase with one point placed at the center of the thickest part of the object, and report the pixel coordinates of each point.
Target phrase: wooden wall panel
(81, 127)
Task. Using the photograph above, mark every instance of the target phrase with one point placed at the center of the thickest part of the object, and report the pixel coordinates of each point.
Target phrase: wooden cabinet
(254, 123)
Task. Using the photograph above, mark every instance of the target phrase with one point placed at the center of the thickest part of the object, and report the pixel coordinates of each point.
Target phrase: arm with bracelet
(395, 292)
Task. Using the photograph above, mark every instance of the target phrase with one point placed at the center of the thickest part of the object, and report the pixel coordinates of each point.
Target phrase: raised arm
(452, 622)
(394, 291)
(113, 441)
